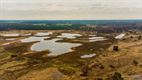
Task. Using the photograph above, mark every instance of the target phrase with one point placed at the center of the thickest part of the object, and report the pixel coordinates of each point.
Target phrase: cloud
(70, 9)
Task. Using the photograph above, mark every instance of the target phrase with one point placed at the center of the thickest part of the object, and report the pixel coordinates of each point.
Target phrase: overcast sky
(70, 9)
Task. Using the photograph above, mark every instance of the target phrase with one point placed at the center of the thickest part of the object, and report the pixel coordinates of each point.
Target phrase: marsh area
(64, 54)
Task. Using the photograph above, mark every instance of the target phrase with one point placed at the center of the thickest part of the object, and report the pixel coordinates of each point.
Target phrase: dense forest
(18, 26)
(99, 26)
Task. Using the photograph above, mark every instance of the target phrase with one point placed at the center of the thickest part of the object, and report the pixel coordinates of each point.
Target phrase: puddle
(88, 56)
(93, 39)
(43, 34)
(69, 35)
(120, 36)
(33, 39)
(10, 35)
(29, 34)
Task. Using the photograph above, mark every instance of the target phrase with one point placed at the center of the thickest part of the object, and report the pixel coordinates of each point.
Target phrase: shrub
(135, 62)
(116, 76)
(115, 48)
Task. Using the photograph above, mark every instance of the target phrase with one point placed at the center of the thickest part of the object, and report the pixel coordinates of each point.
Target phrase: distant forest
(20, 26)
(104, 26)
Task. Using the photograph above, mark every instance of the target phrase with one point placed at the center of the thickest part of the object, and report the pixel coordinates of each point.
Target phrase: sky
(70, 9)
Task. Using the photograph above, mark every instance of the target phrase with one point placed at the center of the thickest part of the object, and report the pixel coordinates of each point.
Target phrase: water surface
(93, 39)
(88, 56)
(10, 35)
(120, 36)
(43, 34)
(69, 35)
(55, 48)
(33, 39)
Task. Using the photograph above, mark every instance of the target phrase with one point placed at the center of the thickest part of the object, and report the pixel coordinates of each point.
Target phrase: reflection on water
(55, 48)
(43, 34)
(120, 36)
(10, 35)
(58, 48)
(88, 56)
(33, 39)
(69, 35)
(93, 39)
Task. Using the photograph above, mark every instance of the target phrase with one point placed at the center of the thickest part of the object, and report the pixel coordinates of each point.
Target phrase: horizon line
(67, 19)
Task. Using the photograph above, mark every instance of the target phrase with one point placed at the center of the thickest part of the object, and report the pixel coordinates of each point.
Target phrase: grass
(18, 48)
(67, 69)
(68, 63)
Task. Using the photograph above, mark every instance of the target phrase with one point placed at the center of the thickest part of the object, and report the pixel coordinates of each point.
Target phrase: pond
(55, 48)
(69, 35)
(93, 39)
